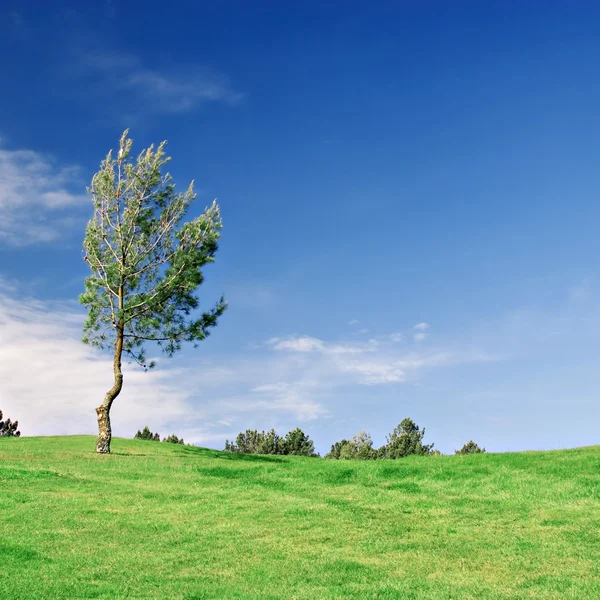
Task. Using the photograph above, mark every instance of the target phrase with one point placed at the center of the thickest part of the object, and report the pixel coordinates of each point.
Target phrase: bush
(9, 428)
(173, 439)
(470, 448)
(336, 449)
(146, 434)
(296, 442)
(359, 447)
(254, 442)
(406, 439)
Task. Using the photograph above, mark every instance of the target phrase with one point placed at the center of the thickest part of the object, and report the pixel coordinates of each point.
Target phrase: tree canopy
(146, 264)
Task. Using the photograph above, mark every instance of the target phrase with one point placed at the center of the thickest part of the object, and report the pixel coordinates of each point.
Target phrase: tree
(9, 428)
(146, 434)
(362, 445)
(252, 441)
(470, 448)
(336, 449)
(359, 447)
(406, 439)
(145, 265)
(298, 443)
(173, 439)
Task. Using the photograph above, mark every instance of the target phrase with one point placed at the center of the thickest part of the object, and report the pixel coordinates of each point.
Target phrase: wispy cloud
(36, 197)
(422, 326)
(374, 363)
(176, 90)
(311, 344)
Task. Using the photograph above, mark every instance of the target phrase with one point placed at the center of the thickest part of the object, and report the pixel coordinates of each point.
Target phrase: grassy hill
(166, 521)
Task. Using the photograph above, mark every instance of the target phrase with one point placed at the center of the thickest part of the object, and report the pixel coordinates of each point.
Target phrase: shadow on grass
(195, 451)
(130, 454)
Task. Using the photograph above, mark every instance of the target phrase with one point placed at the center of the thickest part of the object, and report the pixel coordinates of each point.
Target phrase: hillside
(166, 521)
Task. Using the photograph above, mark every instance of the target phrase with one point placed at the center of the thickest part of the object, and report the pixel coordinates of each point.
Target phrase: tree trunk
(103, 411)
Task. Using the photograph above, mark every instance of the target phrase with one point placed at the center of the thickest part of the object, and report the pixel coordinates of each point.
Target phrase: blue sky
(410, 204)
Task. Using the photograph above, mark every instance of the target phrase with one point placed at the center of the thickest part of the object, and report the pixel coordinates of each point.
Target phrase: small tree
(406, 439)
(173, 439)
(145, 265)
(360, 447)
(470, 448)
(9, 428)
(252, 441)
(336, 449)
(298, 443)
(146, 434)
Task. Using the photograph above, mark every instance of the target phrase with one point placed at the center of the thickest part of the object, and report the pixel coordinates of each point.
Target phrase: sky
(409, 194)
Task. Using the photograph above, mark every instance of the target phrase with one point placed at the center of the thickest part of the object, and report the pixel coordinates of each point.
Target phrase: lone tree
(9, 428)
(406, 439)
(470, 448)
(145, 265)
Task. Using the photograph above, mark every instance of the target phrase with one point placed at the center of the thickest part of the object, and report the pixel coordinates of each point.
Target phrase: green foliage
(299, 444)
(296, 442)
(146, 434)
(173, 439)
(406, 439)
(254, 442)
(9, 428)
(470, 448)
(360, 447)
(145, 262)
(336, 449)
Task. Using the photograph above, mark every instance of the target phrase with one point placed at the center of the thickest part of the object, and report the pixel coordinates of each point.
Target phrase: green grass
(174, 522)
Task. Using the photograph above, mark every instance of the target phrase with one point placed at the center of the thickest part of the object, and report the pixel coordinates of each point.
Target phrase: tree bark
(103, 411)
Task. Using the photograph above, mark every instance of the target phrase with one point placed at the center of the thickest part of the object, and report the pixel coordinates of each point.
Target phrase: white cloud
(299, 344)
(311, 344)
(296, 397)
(36, 197)
(422, 326)
(419, 337)
(374, 363)
(51, 382)
(175, 90)
(354, 322)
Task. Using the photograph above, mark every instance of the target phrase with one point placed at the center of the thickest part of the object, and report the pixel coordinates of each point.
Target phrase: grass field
(166, 521)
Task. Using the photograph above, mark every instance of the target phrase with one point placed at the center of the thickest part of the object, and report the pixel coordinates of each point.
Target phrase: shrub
(336, 449)
(173, 439)
(470, 448)
(9, 428)
(146, 434)
(406, 439)
(254, 442)
(298, 443)
(359, 447)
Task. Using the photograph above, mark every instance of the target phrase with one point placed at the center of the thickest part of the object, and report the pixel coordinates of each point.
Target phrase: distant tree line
(146, 434)
(295, 443)
(405, 440)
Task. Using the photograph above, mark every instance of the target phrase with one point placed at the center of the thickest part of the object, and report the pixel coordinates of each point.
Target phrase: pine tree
(146, 434)
(145, 265)
(406, 439)
(470, 448)
(9, 428)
